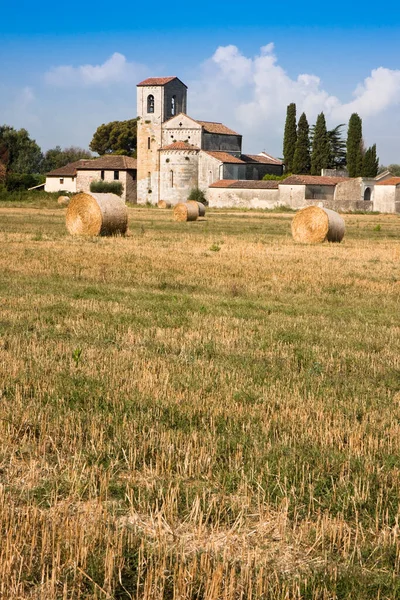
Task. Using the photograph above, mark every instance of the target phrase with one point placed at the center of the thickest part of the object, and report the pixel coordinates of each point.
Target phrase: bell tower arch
(158, 99)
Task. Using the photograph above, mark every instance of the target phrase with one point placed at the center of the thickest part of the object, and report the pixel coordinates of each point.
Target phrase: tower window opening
(172, 179)
(148, 143)
(150, 103)
(173, 105)
(102, 175)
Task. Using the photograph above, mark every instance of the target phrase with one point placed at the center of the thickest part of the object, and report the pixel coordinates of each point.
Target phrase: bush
(103, 187)
(198, 195)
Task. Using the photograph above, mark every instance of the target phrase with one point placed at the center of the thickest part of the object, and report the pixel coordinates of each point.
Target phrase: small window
(150, 103)
(116, 175)
(62, 180)
(102, 175)
(73, 179)
(173, 105)
(148, 143)
(172, 179)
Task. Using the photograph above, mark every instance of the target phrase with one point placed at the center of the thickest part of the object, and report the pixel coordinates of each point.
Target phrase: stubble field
(199, 411)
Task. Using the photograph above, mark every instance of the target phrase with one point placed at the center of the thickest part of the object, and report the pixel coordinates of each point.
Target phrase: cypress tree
(354, 146)
(370, 162)
(289, 138)
(321, 147)
(301, 159)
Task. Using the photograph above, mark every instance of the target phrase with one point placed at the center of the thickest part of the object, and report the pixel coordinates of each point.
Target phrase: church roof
(246, 184)
(312, 180)
(213, 127)
(225, 157)
(158, 81)
(180, 146)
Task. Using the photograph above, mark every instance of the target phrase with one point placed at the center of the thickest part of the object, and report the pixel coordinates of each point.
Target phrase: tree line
(23, 164)
(307, 150)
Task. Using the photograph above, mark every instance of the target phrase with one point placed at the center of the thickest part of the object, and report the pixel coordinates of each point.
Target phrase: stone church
(177, 153)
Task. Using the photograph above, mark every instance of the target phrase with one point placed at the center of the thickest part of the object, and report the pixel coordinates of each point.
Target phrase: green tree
(117, 137)
(337, 148)
(354, 156)
(301, 159)
(370, 162)
(289, 137)
(56, 157)
(320, 147)
(22, 154)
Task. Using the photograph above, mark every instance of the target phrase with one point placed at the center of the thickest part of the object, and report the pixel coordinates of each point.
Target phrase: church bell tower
(158, 99)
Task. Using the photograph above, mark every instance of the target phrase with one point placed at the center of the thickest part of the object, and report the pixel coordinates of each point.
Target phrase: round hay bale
(185, 211)
(63, 200)
(96, 214)
(163, 204)
(200, 205)
(314, 225)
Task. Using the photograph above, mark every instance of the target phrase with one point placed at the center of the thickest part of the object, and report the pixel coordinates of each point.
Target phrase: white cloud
(251, 94)
(115, 69)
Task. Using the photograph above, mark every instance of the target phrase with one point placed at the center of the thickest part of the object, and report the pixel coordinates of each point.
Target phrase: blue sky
(66, 69)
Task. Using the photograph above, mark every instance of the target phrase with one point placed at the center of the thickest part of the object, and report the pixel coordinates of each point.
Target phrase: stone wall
(53, 184)
(179, 171)
(242, 198)
(85, 177)
(210, 170)
(387, 198)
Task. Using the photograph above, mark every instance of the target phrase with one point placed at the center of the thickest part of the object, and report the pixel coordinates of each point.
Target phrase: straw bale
(315, 225)
(63, 200)
(96, 214)
(185, 211)
(163, 204)
(200, 205)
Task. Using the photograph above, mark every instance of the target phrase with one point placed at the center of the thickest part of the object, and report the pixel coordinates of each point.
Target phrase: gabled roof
(246, 184)
(114, 163)
(213, 127)
(312, 180)
(391, 181)
(180, 146)
(265, 159)
(68, 170)
(155, 81)
(225, 157)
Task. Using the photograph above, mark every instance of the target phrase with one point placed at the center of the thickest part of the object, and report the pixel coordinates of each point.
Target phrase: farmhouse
(177, 153)
(77, 176)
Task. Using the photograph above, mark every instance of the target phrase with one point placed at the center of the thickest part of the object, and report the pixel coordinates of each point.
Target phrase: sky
(66, 69)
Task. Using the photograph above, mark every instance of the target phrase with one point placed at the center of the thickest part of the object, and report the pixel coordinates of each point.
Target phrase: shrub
(270, 177)
(22, 181)
(198, 195)
(112, 187)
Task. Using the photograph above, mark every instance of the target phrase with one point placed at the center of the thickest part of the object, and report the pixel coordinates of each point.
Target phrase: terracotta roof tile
(157, 81)
(113, 162)
(68, 170)
(212, 127)
(225, 157)
(246, 184)
(391, 181)
(180, 146)
(312, 180)
(265, 160)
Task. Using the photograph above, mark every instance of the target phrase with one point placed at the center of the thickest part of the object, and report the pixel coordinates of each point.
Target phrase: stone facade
(387, 198)
(179, 172)
(85, 177)
(243, 198)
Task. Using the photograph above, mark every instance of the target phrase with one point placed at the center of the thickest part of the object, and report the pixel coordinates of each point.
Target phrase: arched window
(173, 105)
(367, 194)
(150, 103)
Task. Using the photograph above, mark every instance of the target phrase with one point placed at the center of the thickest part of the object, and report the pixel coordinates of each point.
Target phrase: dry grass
(201, 411)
